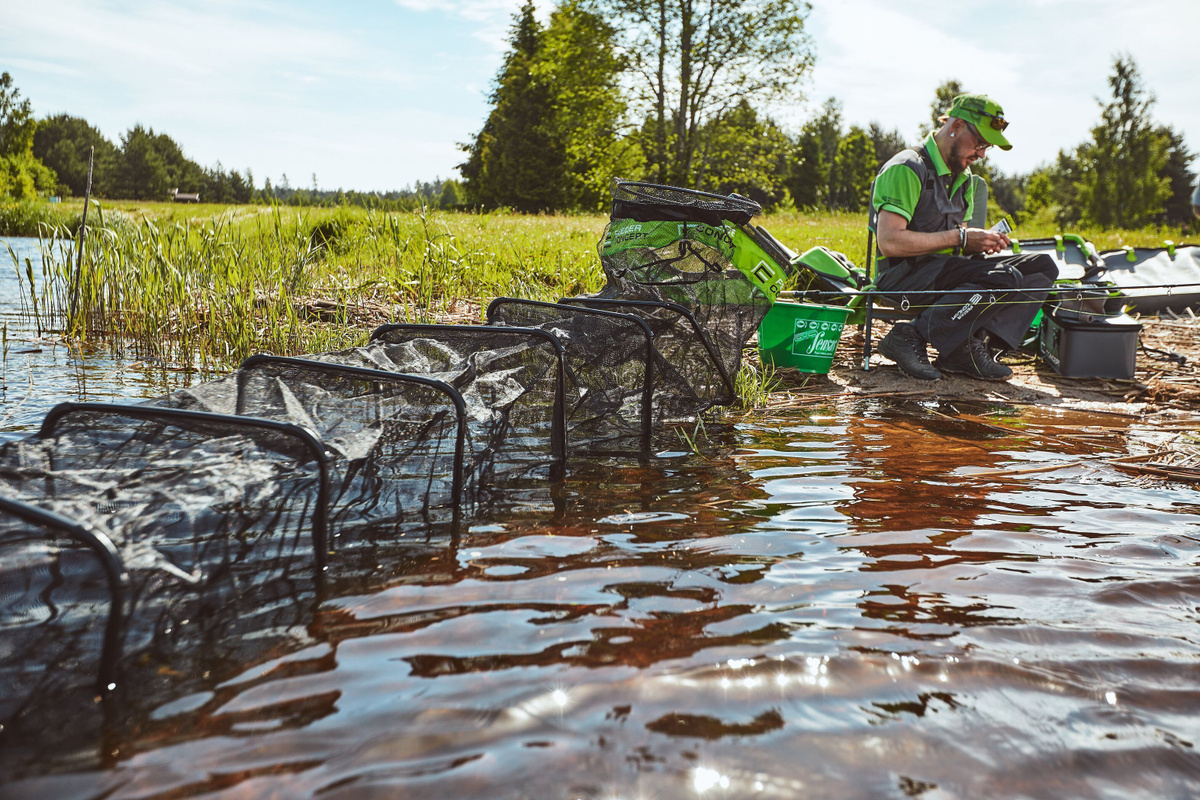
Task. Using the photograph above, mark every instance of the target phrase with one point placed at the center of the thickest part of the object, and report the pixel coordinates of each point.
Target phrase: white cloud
(1045, 61)
(375, 95)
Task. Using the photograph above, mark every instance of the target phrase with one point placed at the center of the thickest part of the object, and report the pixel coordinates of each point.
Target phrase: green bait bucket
(801, 335)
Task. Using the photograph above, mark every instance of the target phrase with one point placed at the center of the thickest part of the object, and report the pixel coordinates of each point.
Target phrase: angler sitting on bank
(918, 211)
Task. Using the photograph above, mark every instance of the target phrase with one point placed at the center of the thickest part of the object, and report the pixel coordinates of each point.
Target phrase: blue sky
(375, 95)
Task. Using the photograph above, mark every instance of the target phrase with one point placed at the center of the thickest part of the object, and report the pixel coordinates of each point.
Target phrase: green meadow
(204, 286)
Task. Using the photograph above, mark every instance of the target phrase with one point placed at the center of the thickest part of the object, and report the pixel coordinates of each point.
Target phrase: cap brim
(993, 136)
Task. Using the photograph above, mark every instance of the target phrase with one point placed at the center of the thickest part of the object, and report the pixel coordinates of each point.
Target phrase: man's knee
(1042, 264)
(1002, 276)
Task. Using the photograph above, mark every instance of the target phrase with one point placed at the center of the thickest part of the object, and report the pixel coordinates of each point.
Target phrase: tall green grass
(208, 292)
(36, 217)
(202, 288)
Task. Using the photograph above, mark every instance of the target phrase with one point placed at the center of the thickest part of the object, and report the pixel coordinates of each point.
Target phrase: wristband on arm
(962, 239)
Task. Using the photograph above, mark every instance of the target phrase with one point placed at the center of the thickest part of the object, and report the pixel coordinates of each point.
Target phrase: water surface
(862, 600)
(38, 369)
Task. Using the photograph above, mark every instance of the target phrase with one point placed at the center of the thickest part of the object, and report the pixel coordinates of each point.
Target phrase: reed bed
(202, 287)
(206, 293)
(34, 217)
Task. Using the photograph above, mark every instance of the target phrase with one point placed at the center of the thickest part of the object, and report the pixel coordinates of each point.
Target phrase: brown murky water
(862, 601)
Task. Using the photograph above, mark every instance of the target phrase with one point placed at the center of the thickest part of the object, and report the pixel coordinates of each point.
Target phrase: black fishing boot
(904, 345)
(974, 360)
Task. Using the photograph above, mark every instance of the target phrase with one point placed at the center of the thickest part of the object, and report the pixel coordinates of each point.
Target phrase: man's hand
(982, 241)
(896, 241)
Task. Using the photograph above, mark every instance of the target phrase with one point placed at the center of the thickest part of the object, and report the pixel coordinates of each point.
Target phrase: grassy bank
(208, 285)
(36, 218)
(208, 290)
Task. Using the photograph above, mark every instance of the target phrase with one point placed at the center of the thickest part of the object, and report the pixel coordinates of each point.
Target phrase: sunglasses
(981, 145)
(998, 123)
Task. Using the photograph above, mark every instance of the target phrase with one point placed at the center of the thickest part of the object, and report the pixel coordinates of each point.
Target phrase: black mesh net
(59, 590)
(689, 375)
(609, 370)
(398, 440)
(652, 201)
(219, 522)
(235, 505)
(397, 443)
(511, 380)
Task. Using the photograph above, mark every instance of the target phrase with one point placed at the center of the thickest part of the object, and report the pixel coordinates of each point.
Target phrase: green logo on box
(815, 337)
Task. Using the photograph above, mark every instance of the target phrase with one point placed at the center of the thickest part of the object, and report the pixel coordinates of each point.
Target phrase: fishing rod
(1072, 292)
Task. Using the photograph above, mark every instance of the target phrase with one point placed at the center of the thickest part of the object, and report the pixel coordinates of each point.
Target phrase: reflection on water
(819, 606)
(38, 369)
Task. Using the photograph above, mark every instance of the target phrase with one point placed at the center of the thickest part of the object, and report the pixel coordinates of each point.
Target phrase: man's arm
(897, 241)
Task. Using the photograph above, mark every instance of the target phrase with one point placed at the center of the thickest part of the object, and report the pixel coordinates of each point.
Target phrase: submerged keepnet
(234, 506)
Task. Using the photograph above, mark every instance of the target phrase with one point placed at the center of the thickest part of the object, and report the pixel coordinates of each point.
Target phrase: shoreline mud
(1160, 384)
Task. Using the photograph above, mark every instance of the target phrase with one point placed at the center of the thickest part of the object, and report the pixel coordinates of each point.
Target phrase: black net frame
(216, 578)
(62, 626)
(676, 334)
(106, 553)
(598, 344)
(219, 424)
(644, 258)
(484, 339)
(395, 415)
(648, 202)
(647, 349)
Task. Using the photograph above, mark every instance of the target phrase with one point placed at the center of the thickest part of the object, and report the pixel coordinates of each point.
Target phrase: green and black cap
(985, 114)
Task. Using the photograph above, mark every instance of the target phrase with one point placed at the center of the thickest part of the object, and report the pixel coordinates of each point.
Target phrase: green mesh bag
(699, 250)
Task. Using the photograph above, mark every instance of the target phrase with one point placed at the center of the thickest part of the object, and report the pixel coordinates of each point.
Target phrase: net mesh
(678, 246)
(56, 604)
(657, 201)
(689, 376)
(234, 505)
(511, 380)
(218, 529)
(609, 370)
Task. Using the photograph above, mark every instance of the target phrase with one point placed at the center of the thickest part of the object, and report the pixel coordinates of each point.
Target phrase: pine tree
(1181, 180)
(808, 179)
(828, 128)
(143, 173)
(886, 143)
(515, 160)
(579, 64)
(943, 98)
(744, 153)
(63, 143)
(853, 170)
(1123, 182)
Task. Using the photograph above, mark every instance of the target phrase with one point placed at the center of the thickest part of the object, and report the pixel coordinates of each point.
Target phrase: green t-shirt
(948, 199)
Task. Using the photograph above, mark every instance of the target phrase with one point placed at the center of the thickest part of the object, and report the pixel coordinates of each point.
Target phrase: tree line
(675, 92)
(50, 157)
(671, 91)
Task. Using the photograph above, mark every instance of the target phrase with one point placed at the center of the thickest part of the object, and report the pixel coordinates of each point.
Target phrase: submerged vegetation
(204, 287)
